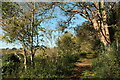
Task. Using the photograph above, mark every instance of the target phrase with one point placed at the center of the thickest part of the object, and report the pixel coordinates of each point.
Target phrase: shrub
(86, 74)
(10, 64)
(46, 66)
(107, 65)
(57, 66)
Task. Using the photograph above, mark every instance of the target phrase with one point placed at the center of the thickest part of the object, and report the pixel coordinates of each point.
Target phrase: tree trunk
(32, 33)
(17, 56)
(25, 59)
(32, 60)
(100, 24)
(102, 31)
(117, 44)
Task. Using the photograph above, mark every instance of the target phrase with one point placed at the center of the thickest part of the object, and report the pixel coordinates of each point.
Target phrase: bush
(10, 64)
(107, 65)
(57, 66)
(46, 66)
(86, 74)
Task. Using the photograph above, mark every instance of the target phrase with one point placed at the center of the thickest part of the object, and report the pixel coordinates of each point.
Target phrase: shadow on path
(81, 67)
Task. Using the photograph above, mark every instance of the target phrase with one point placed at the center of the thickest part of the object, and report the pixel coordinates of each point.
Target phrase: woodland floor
(82, 66)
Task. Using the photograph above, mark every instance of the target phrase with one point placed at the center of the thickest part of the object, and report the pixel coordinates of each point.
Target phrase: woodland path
(81, 67)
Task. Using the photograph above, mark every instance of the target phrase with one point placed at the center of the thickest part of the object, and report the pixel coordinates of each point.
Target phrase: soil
(81, 67)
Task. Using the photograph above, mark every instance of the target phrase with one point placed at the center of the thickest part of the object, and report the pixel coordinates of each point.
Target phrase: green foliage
(14, 49)
(87, 39)
(107, 64)
(10, 57)
(46, 66)
(116, 31)
(67, 44)
(86, 74)
(113, 17)
(51, 66)
(10, 64)
(9, 9)
(61, 63)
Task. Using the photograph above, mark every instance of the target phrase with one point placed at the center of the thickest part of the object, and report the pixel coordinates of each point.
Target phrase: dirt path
(81, 67)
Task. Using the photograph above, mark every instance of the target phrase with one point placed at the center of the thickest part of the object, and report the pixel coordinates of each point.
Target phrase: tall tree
(25, 27)
(10, 9)
(94, 12)
(37, 10)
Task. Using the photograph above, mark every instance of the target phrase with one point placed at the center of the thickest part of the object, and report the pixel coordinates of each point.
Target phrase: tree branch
(76, 11)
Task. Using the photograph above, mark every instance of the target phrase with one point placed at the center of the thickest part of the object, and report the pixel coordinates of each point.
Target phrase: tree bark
(32, 60)
(25, 59)
(102, 31)
(100, 24)
(32, 34)
(117, 44)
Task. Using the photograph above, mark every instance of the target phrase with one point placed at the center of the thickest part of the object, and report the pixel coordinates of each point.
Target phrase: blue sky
(51, 24)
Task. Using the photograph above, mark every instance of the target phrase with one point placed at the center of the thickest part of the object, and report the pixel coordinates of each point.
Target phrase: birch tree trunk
(32, 60)
(25, 58)
(117, 44)
(32, 33)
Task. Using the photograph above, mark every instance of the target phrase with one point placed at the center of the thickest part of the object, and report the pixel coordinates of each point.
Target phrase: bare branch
(76, 11)
(96, 5)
